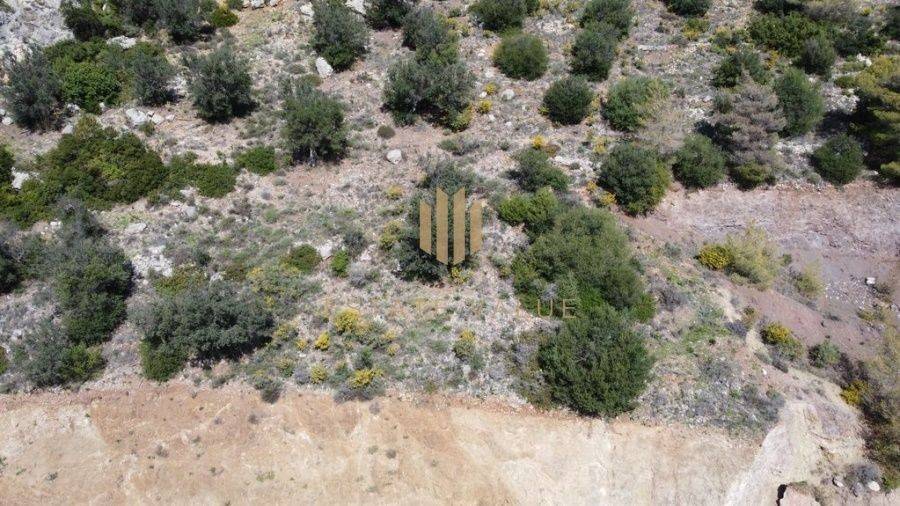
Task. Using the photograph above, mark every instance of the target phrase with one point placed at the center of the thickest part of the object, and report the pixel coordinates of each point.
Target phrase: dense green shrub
(7, 162)
(746, 122)
(86, 21)
(182, 18)
(33, 92)
(615, 13)
(340, 264)
(801, 102)
(824, 354)
(10, 271)
(88, 85)
(213, 180)
(732, 69)
(818, 56)
(636, 176)
(752, 174)
(205, 323)
(840, 159)
(688, 7)
(222, 17)
(521, 56)
(777, 6)
(536, 171)
(632, 102)
(568, 100)
(537, 212)
(877, 115)
(259, 160)
(583, 258)
(152, 76)
(339, 36)
(595, 364)
(388, 13)
(432, 87)
(785, 34)
(313, 124)
(220, 84)
(594, 51)
(53, 360)
(699, 163)
(499, 15)
(427, 31)
(303, 258)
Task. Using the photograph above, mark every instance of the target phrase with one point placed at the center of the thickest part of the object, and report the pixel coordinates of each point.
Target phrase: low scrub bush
(54, 360)
(303, 258)
(785, 34)
(87, 21)
(10, 270)
(800, 101)
(33, 92)
(313, 124)
(568, 100)
(615, 13)
(585, 258)
(500, 15)
(737, 64)
(220, 84)
(427, 31)
(339, 35)
(877, 115)
(213, 180)
(636, 176)
(632, 102)
(260, 160)
(782, 339)
(383, 14)
(808, 281)
(340, 264)
(817, 56)
(689, 7)
(222, 17)
(432, 87)
(183, 19)
(594, 51)
(537, 212)
(839, 160)
(152, 77)
(88, 85)
(746, 123)
(521, 56)
(824, 354)
(595, 364)
(699, 163)
(536, 171)
(205, 323)
(750, 257)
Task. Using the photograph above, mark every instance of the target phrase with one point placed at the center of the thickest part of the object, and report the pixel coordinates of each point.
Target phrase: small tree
(632, 102)
(86, 22)
(433, 87)
(877, 116)
(699, 163)
(594, 51)
(746, 122)
(314, 124)
(568, 100)
(521, 56)
(595, 363)
(636, 176)
(499, 15)
(801, 102)
(220, 84)
(616, 13)
(152, 76)
(742, 62)
(182, 18)
(818, 56)
(427, 31)
(839, 160)
(34, 91)
(340, 36)
(383, 14)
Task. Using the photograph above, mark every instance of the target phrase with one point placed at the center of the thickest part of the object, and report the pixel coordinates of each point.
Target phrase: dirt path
(175, 444)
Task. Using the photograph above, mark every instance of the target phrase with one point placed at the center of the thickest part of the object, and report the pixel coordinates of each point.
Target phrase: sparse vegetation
(34, 91)
(750, 257)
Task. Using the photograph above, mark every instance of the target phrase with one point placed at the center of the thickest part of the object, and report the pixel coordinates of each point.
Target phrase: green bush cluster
(427, 31)
(615, 13)
(220, 84)
(339, 35)
(222, 17)
(584, 257)
(824, 354)
(213, 180)
(536, 211)
(86, 22)
(632, 102)
(788, 27)
(33, 91)
(877, 115)
(785, 34)
(152, 77)
(750, 257)
(521, 56)
(535, 171)
(500, 15)
(595, 363)
(818, 56)
(383, 14)
(10, 268)
(53, 360)
(184, 20)
(313, 124)
(259, 160)
(699, 163)
(205, 324)
(88, 85)
(840, 159)
(689, 7)
(636, 176)
(746, 121)
(741, 62)
(568, 100)
(782, 340)
(800, 101)
(303, 258)
(594, 51)
(432, 83)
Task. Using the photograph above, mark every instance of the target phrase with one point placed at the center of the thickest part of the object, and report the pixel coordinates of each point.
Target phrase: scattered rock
(394, 156)
(870, 281)
(68, 129)
(508, 95)
(357, 5)
(122, 41)
(136, 117)
(323, 67)
(873, 486)
(135, 228)
(7, 120)
(19, 179)
(307, 10)
(858, 489)
(839, 483)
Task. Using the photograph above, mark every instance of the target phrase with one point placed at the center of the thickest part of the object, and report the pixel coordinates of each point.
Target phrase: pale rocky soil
(174, 444)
